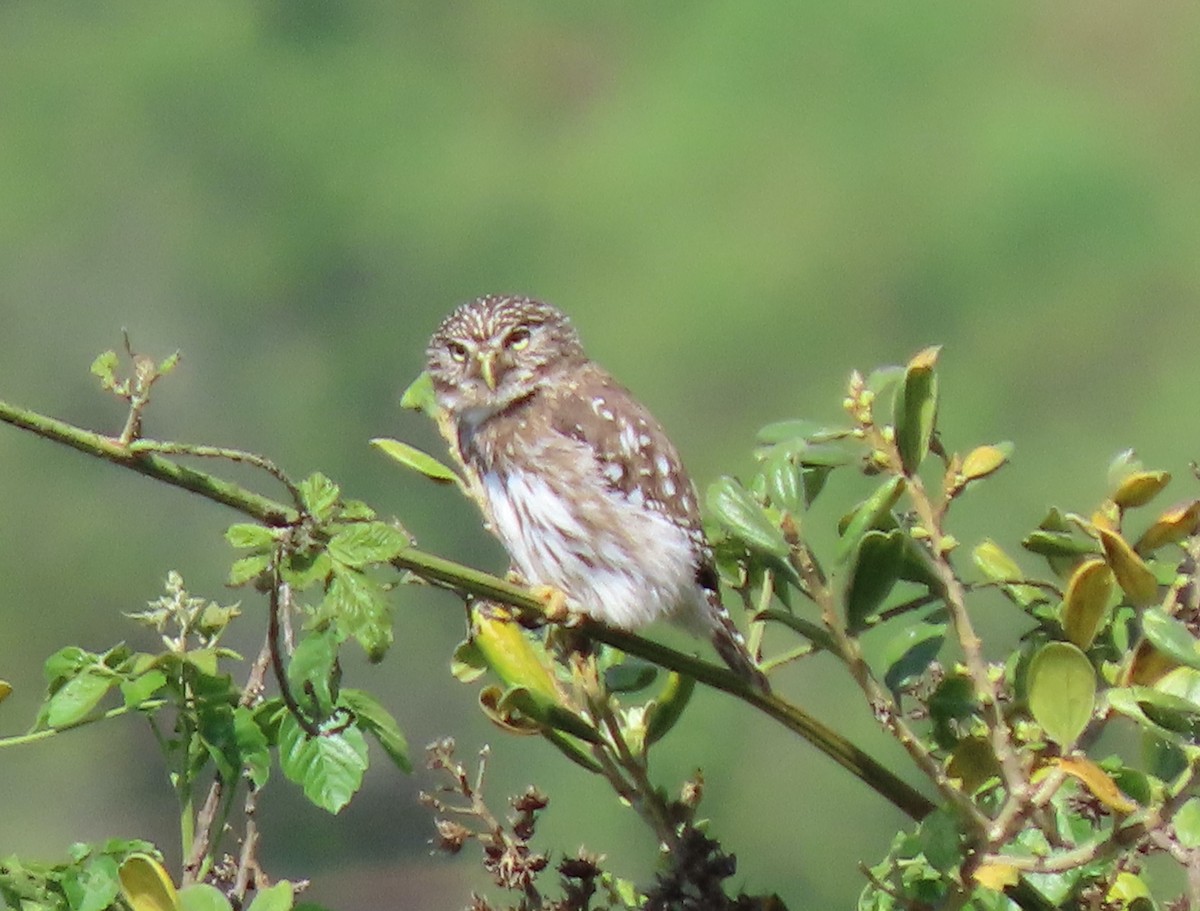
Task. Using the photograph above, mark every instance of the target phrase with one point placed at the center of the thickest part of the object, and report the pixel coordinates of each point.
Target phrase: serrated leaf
(377, 721)
(247, 569)
(138, 689)
(1177, 523)
(874, 572)
(1171, 637)
(916, 409)
(252, 745)
(1062, 691)
(360, 543)
(146, 886)
(105, 368)
(1096, 780)
(358, 605)
(419, 396)
(738, 513)
(1086, 601)
(310, 671)
(94, 887)
(76, 698)
(1139, 488)
(329, 768)
(320, 496)
(250, 535)
(417, 460)
(1133, 575)
(869, 514)
(203, 897)
(985, 460)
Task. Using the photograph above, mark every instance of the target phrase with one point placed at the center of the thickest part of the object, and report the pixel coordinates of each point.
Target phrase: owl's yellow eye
(517, 339)
(458, 351)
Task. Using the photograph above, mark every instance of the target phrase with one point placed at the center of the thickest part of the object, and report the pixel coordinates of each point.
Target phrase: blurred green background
(738, 203)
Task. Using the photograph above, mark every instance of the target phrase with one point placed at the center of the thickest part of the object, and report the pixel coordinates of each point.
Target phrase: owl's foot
(554, 603)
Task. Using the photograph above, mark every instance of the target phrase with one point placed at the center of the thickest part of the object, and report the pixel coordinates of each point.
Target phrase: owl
(580, 482)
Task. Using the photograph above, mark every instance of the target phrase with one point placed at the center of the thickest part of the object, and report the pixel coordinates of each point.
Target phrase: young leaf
(916, 409)
(419, 396)
(1062, 691)
(250, 535)
(360, 543)
(320, 495)
(985, 460)
(252, 746)
(1140, 487)
(329, 768)
(203, 897)
(1171, 637)
(1172, 526)
(94, 887)
(411, 457)
(869, 514)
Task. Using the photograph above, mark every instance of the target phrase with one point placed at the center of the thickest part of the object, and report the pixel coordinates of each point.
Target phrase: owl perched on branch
(583, 487)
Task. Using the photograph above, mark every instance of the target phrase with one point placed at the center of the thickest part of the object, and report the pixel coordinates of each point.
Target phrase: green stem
(46, 733)
(484, 585)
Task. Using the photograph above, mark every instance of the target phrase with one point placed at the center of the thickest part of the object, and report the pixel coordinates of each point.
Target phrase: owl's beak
(487, 368)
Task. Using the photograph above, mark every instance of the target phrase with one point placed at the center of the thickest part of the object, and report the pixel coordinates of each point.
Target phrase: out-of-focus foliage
(736, 202)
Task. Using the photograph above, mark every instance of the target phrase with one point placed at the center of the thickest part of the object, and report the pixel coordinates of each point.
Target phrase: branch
(484, 585)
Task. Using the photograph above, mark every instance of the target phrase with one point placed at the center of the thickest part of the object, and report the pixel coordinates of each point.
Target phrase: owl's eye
(517, 339)
(458, 351)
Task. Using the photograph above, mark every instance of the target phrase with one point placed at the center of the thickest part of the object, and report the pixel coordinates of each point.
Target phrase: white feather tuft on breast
(582, 543)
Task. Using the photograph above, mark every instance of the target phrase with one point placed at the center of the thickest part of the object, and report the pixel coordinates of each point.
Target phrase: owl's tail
(731, 646)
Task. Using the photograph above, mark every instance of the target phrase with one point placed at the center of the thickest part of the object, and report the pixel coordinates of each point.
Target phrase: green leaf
(738, 513)
(320, 496)
(1171, 637)
(95, 886)
(667, 707)
(360, 543)
(76, 698)
(311, 671)
(1062, 691)
(869, 514)
(1174, 713)
(372, 717)
(358, 606)
(797, 430)
(419, 396)
(329, 768)
(278, 897)
(66, 662)
(630, 676)
(1187, 823)
(1086, 601)
(874, 572)
(252, 746)
(916, 409)
(203, 897)
(468, 663)
(250, 535)
(411, 457)
(105, 367)
(247, 569)
(999, 567)
(784, 489)
(910, 651)
(138, 689)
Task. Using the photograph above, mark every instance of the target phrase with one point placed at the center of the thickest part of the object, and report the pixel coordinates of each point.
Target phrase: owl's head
(497, 349)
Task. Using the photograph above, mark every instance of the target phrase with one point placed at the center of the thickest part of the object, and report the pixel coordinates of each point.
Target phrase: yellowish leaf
(1174, 525)
(146, 885)
(1098, 781)
(1133, 575)
(983, 460)
(1086, 600)
(1140, 488)
(996, 876)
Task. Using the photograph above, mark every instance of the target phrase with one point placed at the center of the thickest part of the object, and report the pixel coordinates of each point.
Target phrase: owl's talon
(554, 603)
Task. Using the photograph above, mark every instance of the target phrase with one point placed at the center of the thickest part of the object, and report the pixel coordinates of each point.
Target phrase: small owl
(583, 487)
